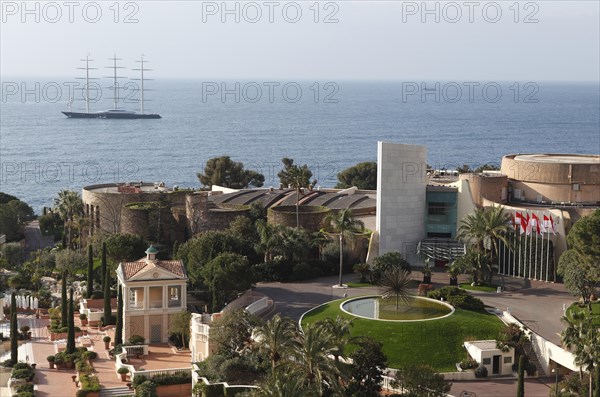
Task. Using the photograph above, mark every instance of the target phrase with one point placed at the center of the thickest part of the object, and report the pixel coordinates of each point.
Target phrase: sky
(345, 40)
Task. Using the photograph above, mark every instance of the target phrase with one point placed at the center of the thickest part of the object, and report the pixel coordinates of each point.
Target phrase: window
(487, 361)
(175, 296)
(507, 360)
(136, 298)
(437, 208)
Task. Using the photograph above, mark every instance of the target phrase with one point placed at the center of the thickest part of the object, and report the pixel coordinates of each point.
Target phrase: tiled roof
(130, 269)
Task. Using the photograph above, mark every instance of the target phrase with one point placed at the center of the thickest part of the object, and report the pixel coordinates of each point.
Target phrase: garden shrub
(216, 390)
(24, 373)
(90, 383)
(146, 389)
(481, 371)
(457, 297)
(468, 363)
(176, 378)
(136, 340)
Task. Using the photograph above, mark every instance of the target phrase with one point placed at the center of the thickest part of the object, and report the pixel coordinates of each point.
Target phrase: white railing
(153, 372)
(134, 350)
(118, 364)
(200, 379)
(387, 382)
(257, 306)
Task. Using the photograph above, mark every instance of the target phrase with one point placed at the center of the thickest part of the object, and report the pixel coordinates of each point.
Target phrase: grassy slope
(438, 343)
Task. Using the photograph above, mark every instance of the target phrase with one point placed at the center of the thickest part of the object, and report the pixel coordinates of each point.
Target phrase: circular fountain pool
(377, 308)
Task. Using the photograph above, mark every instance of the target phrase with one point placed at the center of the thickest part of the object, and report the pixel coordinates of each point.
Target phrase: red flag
(521, 221)
(535, 222)
(527, 225)
(552, 225)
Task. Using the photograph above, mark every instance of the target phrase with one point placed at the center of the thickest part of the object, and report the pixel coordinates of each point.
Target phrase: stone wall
(310, 217)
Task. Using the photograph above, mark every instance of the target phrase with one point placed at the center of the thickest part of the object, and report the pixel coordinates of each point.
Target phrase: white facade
(401, 201)
(153, 291)
(495, 360)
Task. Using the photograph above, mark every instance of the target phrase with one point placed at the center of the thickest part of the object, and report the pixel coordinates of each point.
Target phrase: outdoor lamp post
(555, 372)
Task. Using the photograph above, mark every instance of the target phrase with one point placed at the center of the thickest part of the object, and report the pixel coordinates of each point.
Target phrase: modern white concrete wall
(401, 189)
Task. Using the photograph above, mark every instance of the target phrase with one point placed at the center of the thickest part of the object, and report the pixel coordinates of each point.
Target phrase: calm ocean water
(42, 152)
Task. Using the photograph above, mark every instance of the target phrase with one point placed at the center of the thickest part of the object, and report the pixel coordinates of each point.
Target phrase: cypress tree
(119, 327)
(521, 377)
(14, 329)
(63, 301)
(597, 380)
(103, 261)
(90, 272)
(107, 309)
(70, 349)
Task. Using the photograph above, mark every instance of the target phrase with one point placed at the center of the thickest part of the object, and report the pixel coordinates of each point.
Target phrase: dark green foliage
(176, 378)
(146, 389)
(12, 253)
(389, 260)
(90, 383)
(70, 349)
(119, 326)
(597, 380)
(63, 301)
(481, 371)
(14, 214)
(225, 172)
(361, 175)
(486, 167)
(226, 276)
(366, 373)
(521, 377)
(217, 390)
(90, 272)
(103, 263)
(107, 318)
(294, 175)
(457, 297)
(51, 225)
(125, 247)
(135, 340)
(14, 344)
(422, 380)
(468, 363)
(24, 373)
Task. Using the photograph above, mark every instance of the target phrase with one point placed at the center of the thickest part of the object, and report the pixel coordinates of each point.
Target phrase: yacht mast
(115, 86)
(141, 80)
(87, 69)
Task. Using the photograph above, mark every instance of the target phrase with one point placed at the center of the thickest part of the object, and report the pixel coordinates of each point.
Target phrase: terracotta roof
(130, 269)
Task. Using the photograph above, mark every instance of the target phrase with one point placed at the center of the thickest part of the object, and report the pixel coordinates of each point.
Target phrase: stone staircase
(528, 348)
(116, 392)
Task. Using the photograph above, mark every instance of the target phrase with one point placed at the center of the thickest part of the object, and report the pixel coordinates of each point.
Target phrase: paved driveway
(34, 239)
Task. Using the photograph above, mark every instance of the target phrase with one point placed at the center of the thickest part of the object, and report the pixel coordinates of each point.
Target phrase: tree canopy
(225, 172)
(579, 265)
(294, 175)
(14, 214)
(125, 247)
(361, 175)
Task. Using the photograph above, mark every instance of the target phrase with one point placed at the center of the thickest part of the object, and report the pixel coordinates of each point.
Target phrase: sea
(328, 125)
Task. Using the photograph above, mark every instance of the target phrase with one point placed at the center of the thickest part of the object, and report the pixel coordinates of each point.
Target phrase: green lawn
(438, 343)
(482, 288)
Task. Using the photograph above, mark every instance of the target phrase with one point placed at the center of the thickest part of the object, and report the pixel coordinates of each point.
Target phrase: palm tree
(309, 358)
(282, 383)
(485, 228)
(473, 262)
(68, 204)
(582, 334)
(298, 178)
(395, 283)
(270, 239)
(339, 330)
(275, 337)
(346, 227)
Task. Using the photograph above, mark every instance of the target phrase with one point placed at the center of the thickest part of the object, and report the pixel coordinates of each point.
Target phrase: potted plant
(426, 272)
(25, 331)
(51, 361)
(84, 319)
(60, 362)
(106, 341)
(454, 270)
(123, 371)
